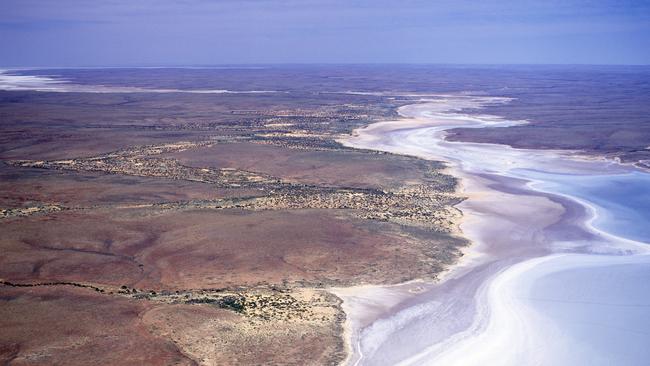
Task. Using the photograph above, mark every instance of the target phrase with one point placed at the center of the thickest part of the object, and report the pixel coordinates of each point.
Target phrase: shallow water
(571, 309)
(543, 299)
(599, 304)
(622, 201)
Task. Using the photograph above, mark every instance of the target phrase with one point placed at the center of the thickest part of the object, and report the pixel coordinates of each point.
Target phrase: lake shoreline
(497, 207)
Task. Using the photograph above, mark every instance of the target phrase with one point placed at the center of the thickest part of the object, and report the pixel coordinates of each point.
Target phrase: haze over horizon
(72, 33)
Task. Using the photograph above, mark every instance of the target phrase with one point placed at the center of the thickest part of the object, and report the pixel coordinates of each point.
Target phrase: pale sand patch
(496, 221)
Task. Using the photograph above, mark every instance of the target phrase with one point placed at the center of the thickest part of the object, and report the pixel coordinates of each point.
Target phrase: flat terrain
(174, 228)
(204, 228)
(603, 111)
(61, 324)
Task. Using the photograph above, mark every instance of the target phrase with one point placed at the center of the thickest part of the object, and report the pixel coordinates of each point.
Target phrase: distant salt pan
(12, 82)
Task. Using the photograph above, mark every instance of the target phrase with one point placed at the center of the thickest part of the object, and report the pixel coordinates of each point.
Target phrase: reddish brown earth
(113, 268)
(200, 330)
(207, 249)
(78, 326)
(21, 187)
(112, 231)
(337, 168)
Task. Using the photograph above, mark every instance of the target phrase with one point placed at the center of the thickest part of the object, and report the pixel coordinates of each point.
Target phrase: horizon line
(261, 65)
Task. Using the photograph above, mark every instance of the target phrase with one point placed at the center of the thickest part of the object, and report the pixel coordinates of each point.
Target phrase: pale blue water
(600, 302)
(622, 201)
(601, 305)
(588, 304)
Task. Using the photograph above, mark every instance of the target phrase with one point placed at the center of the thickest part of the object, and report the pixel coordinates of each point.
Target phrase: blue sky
(202, 32)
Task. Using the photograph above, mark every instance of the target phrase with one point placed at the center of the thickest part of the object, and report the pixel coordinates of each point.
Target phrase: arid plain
(199, 216)
(181, 228)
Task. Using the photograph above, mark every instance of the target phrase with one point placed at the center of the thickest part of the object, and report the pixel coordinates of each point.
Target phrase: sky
(69, 33)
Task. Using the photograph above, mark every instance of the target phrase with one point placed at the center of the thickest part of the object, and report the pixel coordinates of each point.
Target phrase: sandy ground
(514, 230)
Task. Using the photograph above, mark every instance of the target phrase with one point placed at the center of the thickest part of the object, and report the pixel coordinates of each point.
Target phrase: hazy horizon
(316, 64)
(119, 33)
